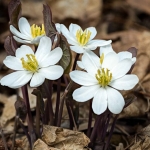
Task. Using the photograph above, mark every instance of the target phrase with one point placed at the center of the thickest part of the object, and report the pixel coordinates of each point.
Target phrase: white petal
(85, 93)
(121, 68)
(77, 49)
(44, 48)
(106, 49)
(73, 28)
(133, 60)
(83, 78)
(16, 79)
(91, 62)
(67, 34)
(52, 72)
(127, 82)
(17, 33)
(24, 27)
(37, 39)
(57, 25)
(23, 51)
(13, 63)
(124, 55)
(21, 41)
(99, 104)
(80, 64)
(51, 59)
(115, 100)
(110, 60)
(97, 43)
(37, 79)
(93, 32)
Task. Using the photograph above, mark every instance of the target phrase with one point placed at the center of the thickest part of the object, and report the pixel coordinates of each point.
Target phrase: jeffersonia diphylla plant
(49, 59)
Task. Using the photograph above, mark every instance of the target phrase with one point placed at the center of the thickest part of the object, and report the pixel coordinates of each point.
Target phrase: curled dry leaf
(39, 145)
(64, 139)
(9, 111)
(142, 144)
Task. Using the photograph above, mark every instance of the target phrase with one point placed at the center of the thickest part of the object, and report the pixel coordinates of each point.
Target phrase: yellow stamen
(83, 37)
(102, 58)
(103, 77)
(37, 31)
(31, 64)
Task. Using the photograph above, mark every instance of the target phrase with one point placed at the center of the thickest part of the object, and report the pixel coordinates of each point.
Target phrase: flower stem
(48, 85)
(62, 103)
(57, 100)
(111, 132)
(75, 61)
(29, 116)
(3, 138)
(38, 117)
(90, 119)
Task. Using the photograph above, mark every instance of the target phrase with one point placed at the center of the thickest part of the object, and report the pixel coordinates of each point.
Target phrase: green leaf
(50, 28)
(14, 11)
(65, 61)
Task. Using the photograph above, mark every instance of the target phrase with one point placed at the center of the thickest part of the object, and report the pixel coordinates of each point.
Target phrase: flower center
(83, 37)
(31, 64)
(37, 31)
(103, 76)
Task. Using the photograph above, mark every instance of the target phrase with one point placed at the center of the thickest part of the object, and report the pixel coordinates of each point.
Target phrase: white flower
(107, 49)
(80, 40)
(27, 34)
(104, 75)
(32, 66)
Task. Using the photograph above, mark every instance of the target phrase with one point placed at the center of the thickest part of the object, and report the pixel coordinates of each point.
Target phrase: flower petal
(44, 48)
(67, 34)
(127, 82)
(51, 59)
(52, 72)
(24, 27)
(97, 43)
(77, 49)
(106, 49)
(13, 63)
(37, 39)
(121, 68)
(23, 51)
(93, 32)
(21, 41)
(124, 55)
(91, 62)
(80, 64)
(73, 28)
(58, 28)
(17, 33)
(85, 93)
(110, 60)
(99, 104)
(16, 79)
(115, 100)
(83, 78)
(37, 79)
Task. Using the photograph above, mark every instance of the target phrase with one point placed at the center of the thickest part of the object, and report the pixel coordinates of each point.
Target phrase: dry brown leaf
(9, 111)
(39, 145)
(120, 147)
(83, 11)
(64, 139)
(137, 108)
(142, 144)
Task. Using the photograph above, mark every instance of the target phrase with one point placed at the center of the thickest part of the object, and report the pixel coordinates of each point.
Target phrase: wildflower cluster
(101, 76)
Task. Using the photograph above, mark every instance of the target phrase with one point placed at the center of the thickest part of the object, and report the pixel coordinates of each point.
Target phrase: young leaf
(14, 11)
(50, 28)
(65, 61)
(8, 45)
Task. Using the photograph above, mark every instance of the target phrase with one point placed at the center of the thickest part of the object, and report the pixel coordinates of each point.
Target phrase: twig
(3, 138)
